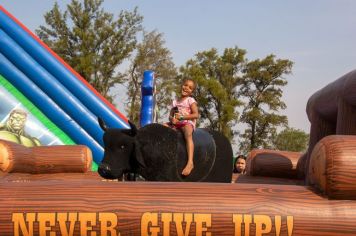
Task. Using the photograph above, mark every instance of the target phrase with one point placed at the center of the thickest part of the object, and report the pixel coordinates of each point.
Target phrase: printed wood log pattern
(301, 166)
(333, 166)
(312, 214)
(237, 178)
(271, 163)
(44, 159)
(331, 110)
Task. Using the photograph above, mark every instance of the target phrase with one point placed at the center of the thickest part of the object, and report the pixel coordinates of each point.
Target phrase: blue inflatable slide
(50, 89)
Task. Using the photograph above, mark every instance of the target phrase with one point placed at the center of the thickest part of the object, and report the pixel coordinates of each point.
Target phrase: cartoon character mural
(14, 129)
(21, 122)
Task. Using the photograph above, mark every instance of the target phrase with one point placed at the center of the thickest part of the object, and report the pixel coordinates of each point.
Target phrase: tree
(150, 55)
(91, 40)
(261, 89)
(217, 77)
(291, 139)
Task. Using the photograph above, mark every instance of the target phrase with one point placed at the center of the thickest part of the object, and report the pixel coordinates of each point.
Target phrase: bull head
(119, 151)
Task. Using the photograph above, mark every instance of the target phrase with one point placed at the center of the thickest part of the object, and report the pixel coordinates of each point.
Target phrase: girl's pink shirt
(184, 108)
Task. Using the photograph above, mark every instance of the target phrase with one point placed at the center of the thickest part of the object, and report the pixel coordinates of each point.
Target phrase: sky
(319, 36)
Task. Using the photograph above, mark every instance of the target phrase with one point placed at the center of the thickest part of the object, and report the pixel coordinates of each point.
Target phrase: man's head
(17, 119)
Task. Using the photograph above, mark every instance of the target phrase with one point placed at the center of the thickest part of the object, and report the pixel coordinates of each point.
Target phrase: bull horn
(102, 124)
(133, 128)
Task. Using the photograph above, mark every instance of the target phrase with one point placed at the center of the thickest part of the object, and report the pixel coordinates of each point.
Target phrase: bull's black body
(158, 153)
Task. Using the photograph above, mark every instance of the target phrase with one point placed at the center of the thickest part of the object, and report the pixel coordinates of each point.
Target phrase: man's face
(17, 121)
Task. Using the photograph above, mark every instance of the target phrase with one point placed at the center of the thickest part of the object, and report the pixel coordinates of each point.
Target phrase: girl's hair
(241, 156)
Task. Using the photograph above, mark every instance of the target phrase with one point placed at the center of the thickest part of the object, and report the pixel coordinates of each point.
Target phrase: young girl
(183, 116)
(240, 165)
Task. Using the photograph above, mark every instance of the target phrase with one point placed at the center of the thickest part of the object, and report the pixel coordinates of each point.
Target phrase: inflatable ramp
(39, 90)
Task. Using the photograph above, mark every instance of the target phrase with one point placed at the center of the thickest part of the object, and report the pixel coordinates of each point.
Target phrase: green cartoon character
(13, 129)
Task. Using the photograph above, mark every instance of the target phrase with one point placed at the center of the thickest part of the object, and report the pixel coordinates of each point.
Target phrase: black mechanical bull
(158, 153)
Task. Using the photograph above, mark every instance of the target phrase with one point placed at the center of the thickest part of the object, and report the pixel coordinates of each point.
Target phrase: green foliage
(95, 43)
(291, 139)
(150, 55)
(217, 77)
(91, 40)
(261, 89)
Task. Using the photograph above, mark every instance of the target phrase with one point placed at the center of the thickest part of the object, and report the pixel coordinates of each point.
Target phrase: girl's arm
(193, 115)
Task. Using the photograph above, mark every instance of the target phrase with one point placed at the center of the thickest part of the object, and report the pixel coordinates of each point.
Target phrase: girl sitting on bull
(183, 116)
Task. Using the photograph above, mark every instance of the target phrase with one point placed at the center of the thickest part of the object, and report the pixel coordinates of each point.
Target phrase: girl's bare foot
(187, 169)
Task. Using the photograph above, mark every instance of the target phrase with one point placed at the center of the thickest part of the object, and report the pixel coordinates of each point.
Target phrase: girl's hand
(178, 116)
(173, 119)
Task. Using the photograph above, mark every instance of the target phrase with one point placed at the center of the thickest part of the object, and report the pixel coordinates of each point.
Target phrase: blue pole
(147, 99)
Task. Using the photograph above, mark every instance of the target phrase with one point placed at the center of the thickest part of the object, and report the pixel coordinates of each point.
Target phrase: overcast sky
(319, 36)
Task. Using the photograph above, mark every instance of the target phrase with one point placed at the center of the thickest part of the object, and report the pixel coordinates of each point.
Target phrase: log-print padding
(267, 206)
(332, 110)
(332, 167)
(44, 159)
(272, 163)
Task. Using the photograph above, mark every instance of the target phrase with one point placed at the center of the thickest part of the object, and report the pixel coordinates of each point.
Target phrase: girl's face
(187, 88)
(240, 165)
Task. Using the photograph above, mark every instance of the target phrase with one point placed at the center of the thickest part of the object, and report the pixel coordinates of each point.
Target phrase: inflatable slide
(43, 100)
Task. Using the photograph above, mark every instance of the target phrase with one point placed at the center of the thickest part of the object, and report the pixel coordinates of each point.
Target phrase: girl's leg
(169, 126)
(188, 135)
